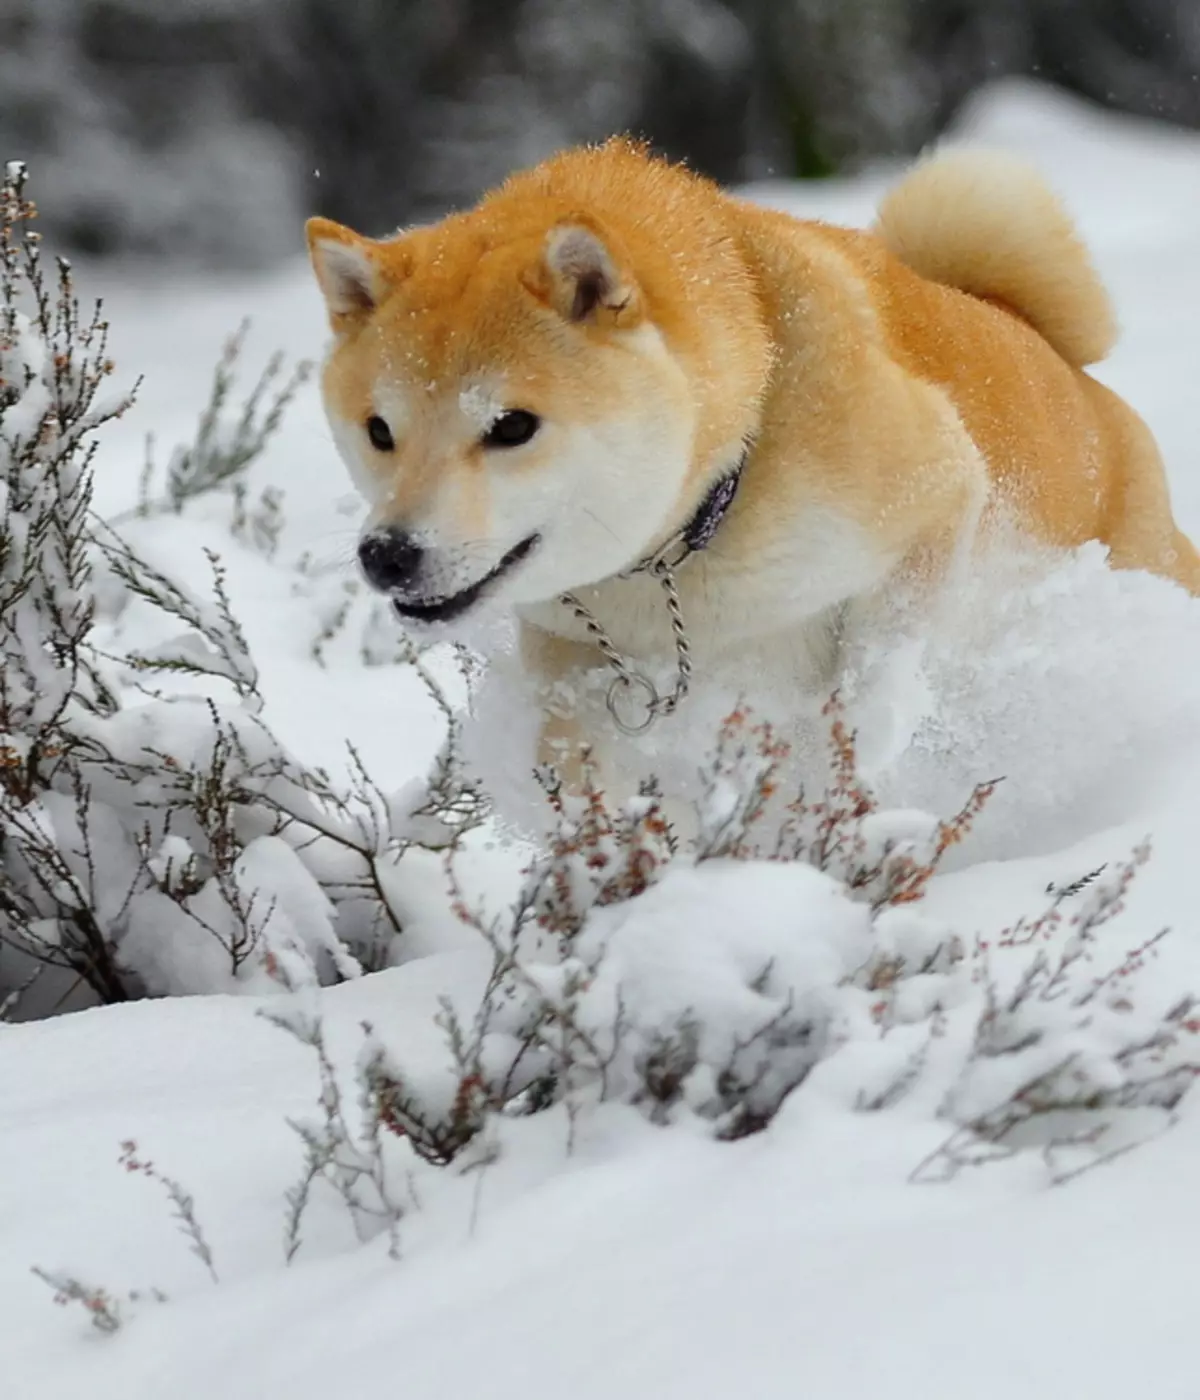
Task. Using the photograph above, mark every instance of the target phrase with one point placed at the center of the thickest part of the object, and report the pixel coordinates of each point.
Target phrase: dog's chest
(766, 615)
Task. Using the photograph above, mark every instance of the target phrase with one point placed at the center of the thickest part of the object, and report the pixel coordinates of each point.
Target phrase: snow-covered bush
(714, 976)
(150, 842)
(717, 985)
(716, 991)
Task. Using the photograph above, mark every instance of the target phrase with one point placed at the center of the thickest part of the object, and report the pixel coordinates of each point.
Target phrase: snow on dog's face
(505, 405)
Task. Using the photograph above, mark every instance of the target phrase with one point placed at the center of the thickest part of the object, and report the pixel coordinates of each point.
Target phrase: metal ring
(624, 686)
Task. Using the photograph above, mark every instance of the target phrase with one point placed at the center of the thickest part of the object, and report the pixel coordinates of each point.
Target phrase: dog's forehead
(473, 365)
(452, 337)
(438, 372)
(419, 391)
(463, 266)
(438, 263)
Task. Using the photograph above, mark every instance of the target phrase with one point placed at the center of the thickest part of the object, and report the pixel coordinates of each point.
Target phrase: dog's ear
(348, 271)
(583, 275)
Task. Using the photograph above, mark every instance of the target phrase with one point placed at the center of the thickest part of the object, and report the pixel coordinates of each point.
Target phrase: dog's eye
(512, 429)
(380, 434)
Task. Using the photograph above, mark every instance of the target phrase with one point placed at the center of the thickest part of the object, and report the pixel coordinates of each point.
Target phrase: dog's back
(986, 225)
(976, 281)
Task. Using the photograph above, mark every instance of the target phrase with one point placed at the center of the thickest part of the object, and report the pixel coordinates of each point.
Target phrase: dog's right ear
(348, 271)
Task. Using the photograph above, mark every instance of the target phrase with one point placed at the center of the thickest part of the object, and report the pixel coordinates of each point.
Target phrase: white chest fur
(753, 608)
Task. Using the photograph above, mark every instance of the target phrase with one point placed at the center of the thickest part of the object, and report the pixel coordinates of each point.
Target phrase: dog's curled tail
(987, 224)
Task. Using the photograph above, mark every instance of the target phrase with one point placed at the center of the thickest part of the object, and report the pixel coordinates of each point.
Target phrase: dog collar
(698, 533)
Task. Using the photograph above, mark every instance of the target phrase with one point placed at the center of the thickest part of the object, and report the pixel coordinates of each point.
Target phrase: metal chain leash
(627, 684)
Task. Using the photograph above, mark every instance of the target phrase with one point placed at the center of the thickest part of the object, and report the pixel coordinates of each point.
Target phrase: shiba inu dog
(693, 417)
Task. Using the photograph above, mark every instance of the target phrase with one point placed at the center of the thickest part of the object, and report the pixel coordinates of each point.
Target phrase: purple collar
(699, 531)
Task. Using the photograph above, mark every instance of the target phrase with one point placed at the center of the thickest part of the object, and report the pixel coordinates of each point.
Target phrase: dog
(671, 430)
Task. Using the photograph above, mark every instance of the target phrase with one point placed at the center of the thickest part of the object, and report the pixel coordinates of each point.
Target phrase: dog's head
(506, 403)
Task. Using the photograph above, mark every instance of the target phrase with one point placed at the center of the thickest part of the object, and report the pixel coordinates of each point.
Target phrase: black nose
(389, 558)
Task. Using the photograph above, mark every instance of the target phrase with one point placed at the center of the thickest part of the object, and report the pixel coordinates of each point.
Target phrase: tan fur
(894, 385)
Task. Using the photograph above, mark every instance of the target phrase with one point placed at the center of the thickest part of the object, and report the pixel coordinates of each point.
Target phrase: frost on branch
(1064, 1057)
(102, 1308)
(184, 1207)
(221, 450)
(157, 843)
(348, 1157)
(882, 857)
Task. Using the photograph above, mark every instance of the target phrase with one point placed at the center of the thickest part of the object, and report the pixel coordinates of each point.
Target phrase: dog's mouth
(447, 609)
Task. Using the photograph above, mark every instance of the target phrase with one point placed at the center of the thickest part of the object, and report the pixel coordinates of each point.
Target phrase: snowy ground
(643, 1261)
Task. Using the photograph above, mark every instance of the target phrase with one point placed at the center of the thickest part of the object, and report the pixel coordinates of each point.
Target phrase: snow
(593, 1252)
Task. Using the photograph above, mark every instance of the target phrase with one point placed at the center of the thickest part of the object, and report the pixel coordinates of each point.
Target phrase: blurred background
(207, 128)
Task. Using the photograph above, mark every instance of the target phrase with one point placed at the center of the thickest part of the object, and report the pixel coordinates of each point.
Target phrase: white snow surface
(602, 1254)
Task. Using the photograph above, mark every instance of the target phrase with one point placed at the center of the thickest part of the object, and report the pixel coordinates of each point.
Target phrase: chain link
(628, 683)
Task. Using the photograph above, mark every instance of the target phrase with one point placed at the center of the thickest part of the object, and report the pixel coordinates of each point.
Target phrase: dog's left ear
(348, 271)
(585, 279)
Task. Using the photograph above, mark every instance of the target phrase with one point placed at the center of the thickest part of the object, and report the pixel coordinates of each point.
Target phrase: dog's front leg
(555, 663)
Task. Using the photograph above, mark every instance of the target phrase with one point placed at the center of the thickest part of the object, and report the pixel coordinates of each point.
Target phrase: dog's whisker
(604, 525)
